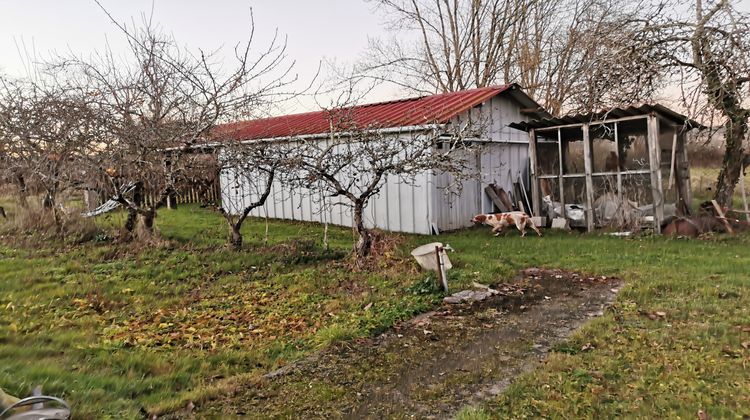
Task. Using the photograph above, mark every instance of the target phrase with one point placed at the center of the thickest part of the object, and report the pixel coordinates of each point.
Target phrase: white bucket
(425, 256)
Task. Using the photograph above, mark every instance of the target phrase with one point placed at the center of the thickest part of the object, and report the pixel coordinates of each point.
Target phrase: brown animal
(500, 221)
(692, 226)
(695, 226)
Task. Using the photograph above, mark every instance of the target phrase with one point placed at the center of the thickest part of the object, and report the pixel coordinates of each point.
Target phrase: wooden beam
(535, 199)
(536, 110)
(688, 187)
(608, 121)
(505, 199)
(561, 179)
(722, 217)
(682, 178)
(588, 169)
(672, 164)
(619, 168)
(495, 198)
(655, 168)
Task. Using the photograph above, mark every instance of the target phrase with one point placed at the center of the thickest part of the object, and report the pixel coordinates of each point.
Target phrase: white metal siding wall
(402, 207)
(504, 155)
(399, 207)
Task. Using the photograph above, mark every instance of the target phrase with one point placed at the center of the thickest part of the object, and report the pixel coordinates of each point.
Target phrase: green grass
(120, 332)
(692, 359)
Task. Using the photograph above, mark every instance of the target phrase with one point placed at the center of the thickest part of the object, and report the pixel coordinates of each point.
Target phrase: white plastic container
(425, 256)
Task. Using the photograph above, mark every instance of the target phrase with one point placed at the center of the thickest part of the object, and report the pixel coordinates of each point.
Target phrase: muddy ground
(435, 364)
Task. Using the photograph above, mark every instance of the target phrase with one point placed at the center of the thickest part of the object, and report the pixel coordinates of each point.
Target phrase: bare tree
(577, 55)
(163, 97)
(252, 168)
(460, 44)
(354, 162)
(45, 132)
(569, 54)
(706, 51)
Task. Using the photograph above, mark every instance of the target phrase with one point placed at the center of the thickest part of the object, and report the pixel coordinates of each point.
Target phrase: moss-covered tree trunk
(734, 154)
(364, 241)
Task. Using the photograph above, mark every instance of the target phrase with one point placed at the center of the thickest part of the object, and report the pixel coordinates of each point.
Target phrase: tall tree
(705, 47)
(355, 162)
(45, 132)
(164, 97)
(251, 169)
(561, 51)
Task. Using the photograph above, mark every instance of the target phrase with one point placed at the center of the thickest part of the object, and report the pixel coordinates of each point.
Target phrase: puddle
(432, 365)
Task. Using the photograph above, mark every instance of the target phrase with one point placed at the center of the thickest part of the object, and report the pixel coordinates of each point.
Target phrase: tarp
(110, 204)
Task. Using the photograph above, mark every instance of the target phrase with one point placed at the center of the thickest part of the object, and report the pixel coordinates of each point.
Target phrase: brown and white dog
(500, 221)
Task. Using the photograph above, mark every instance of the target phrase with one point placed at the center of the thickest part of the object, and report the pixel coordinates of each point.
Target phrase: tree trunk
(130, 223)
(731, 166)
(22, 192)
(364, 242)
(236, 239)
(48, 203)
(148, 221)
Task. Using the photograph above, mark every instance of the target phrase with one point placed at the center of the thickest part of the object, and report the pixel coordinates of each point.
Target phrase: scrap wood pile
(711, 219)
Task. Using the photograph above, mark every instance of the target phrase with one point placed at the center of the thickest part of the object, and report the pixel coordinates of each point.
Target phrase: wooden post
(619, 169)
(682, 179)
(442, 280)
(655, 170)
(688, 187)
(480, 177)
(560, 180)
(588, 168)
(536, 202)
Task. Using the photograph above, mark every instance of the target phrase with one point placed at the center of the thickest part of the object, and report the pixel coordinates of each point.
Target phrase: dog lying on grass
(500, 221)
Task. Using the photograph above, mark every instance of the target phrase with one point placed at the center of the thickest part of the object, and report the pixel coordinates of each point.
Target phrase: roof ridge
(437, 108)
(371, 104)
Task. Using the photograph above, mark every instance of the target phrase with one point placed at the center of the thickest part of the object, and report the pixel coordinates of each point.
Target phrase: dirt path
(436, 363)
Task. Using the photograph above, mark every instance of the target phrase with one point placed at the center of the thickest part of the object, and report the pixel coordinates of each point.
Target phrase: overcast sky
(334, 29)
(316, 29)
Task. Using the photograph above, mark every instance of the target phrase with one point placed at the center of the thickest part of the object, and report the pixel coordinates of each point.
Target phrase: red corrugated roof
(434, 109)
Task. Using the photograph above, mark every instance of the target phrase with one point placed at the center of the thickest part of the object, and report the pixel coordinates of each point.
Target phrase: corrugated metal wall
(504, 155)
(399, 207)
(411, 208)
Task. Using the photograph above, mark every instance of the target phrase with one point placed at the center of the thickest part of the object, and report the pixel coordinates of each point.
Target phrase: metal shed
(420, 207)
(619, 168)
